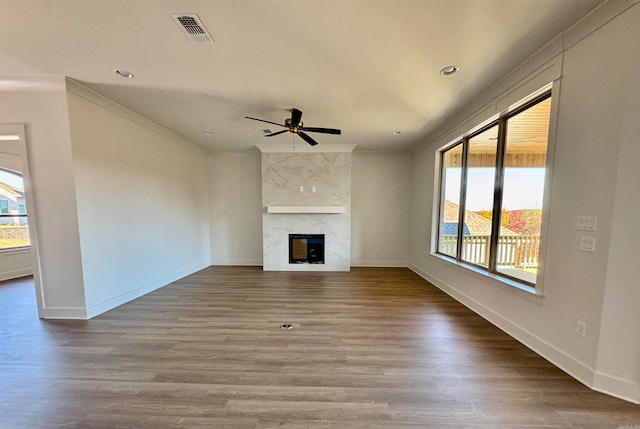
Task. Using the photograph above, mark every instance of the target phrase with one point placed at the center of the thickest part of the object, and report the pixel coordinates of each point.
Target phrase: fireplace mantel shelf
(306, 209)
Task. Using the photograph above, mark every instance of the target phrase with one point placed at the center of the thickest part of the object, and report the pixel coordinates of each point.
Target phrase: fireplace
(306, 191)
(306, 248)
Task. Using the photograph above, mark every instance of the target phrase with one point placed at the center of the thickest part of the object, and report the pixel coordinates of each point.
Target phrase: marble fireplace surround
(306, 190)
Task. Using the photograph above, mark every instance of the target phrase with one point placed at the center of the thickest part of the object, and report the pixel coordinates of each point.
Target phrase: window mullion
(497, 194)
(463, 197)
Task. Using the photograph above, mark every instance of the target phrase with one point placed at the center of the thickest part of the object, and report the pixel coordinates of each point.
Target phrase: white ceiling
(368, 67)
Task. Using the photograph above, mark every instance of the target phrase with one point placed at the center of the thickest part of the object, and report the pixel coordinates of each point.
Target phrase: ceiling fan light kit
(295, 125)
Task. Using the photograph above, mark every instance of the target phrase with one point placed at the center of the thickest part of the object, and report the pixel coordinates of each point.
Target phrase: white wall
(41, 104)
(235, 208)
(142, 202)
(591, 175)
(619, 347)
(381, 192)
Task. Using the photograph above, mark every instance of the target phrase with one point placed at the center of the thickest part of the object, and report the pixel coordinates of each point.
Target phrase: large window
(491, 189)
(14, 229)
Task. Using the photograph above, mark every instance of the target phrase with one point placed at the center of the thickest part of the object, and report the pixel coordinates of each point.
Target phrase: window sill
(15, 250)
(527, 292)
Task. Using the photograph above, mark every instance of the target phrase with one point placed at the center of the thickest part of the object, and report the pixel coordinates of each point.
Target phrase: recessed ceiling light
(124, 73)
(449, 70)
(9, 137)
(396, 133)
(207, 133)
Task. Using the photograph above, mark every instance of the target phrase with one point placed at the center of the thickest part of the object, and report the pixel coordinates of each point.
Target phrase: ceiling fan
(294, 125)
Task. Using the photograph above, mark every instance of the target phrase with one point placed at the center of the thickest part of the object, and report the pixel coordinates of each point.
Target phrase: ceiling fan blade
(306, 138)
(296, 116)
(262, 120)
(323, 130)
(275, 134)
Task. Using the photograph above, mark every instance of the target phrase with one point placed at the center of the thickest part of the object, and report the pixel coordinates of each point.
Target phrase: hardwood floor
(373, 348)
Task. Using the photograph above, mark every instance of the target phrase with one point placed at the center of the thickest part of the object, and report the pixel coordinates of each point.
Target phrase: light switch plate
(587, 223)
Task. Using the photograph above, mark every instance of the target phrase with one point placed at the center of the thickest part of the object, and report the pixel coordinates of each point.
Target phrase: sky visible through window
(526, 190)
(11, 179)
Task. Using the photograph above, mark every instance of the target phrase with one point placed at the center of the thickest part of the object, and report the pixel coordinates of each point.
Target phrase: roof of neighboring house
(474, 224)
(451, 228)
(12, 190)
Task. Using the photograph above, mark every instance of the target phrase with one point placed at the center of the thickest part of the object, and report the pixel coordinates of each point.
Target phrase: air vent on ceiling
(192, 27)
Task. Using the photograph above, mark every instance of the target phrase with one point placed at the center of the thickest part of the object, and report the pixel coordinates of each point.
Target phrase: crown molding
(44, 83)
(75, 87)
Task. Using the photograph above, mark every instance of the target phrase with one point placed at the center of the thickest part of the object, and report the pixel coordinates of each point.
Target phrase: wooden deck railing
(519, 251)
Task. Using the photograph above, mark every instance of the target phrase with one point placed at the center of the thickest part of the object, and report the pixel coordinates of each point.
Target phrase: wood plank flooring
(373, 348)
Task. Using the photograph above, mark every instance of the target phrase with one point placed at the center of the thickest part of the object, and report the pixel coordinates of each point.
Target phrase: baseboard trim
(258, 263)
(578, 370)
(239, 262)
(613, 386)
(111, 303)
(9, 275)
(64, 313)
(381, 264)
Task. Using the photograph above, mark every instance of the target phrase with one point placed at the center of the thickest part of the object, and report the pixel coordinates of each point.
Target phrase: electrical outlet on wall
(588, 244)
(581, 328)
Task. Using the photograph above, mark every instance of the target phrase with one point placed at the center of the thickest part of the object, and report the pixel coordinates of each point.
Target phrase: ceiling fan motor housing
(293, 128)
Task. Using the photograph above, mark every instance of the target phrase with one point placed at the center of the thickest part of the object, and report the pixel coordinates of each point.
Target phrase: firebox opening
(306, 248)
